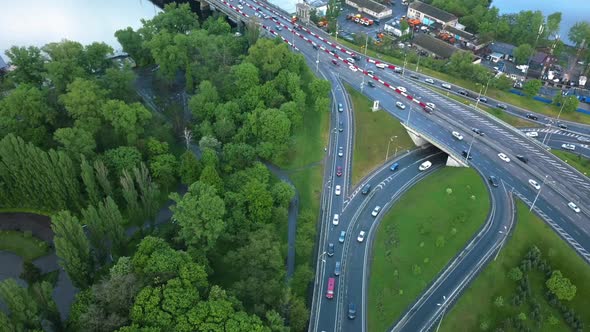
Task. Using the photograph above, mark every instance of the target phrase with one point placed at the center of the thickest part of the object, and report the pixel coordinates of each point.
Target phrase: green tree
(128, 120)
(122, 158)
(238, 155)
(148, 191)
(83, 102)
(515, 274)
(522, 316)
(282, 192)
(25, 112)
(24, 310)
(502, 83)
(28, 65)
(132, 42)
(72, 248)
(561, 286)
(579, 33)
(66, 63)
(175, 19)
(522, 53)
(119, 83)
(200, 215)
(190, 168)
(105, 224)
(90, 183)
(167, 51)
(102, 177)
(95, 58)
(210, 176)
(75, 141)
(553, 22)
(164, 168)
(531, 88)
(499, 302)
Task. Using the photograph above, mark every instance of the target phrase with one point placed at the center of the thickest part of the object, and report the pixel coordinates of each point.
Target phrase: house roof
(370, 5)
(2, 63)
(432, 11)
(434, 45)
(318, 3)
(461, 33)
(498, 47)
(540, 57)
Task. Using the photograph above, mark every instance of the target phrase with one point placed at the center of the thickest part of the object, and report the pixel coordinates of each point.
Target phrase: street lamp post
(538, 193)
(408, 119)
(444, 304)
(317, 61)
(558, 115)
(366, 45)
(388, 143)
(479, 95)
(418, 64)
(470, 145)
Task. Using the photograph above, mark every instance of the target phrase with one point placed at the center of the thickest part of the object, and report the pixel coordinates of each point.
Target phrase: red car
(338, 171)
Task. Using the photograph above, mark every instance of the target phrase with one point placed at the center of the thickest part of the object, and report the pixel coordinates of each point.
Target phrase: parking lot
(347, 27)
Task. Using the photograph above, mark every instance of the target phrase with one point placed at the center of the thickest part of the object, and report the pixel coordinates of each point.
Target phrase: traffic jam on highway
(327, 281)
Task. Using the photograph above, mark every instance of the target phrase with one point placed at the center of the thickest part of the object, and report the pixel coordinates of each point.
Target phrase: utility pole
(366, 45)
(541, 27)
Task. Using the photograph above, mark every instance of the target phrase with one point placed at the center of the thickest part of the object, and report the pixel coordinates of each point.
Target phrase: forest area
(78, 144)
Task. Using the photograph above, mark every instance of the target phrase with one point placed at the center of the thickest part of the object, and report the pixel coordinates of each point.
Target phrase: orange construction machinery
(358, 18)
(412, 22)
(447, 37)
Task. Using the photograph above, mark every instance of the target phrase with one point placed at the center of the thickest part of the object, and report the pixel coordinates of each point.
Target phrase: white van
(380, 65)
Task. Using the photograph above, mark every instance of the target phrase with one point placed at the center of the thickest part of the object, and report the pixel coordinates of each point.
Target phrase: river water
(37, 22)
(572, 11)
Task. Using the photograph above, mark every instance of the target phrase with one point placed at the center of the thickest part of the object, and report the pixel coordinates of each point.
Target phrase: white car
(431, 105)
(425, 165)
(376, 211)
(361, 236)
(446, 86)
(583, 139)
(400, 105)
(336, 219)
(573, 207)
(504, 157)
(338, 190)
(532, 134)
(568, 147)
(353, 68)
(402, 89)
(240, 7)
(351, 60)
(457, 135)
(340, 151)
(535, 184)
(380, 65)
(429, 80)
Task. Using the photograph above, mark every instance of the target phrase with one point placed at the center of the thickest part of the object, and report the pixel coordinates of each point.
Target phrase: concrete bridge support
(421, 140)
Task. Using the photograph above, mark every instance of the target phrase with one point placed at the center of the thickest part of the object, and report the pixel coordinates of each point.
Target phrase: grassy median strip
(575, 160)
(423, 231)
(23, 244)
(479, 307)
(373, 131)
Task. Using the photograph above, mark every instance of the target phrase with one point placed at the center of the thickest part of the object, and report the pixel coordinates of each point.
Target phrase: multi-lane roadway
(560, 184)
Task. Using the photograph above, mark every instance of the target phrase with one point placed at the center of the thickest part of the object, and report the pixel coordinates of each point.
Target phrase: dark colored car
(463, 92)
(477, 131)
(415, 76)
(522, 158)
(366, 189)
(337, 269)
(339, 171)
(493, 180)
(483, 99)
(562, 125)
(532, 116)
(502, 106)
(468, 156)
(335, 62)
(331, 249)
(356, 57)
(351, 311)
(371, 84)
(315, 46)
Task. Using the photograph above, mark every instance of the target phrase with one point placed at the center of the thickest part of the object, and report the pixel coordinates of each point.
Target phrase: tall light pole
(366, 45)
(388, 143)
(317, 61)
(470, 145)
(405, 61)
(558, 115)
(479, 95)
(541, 27)
(444, 304)
(408, 119)
(418, 64)
(538, 193)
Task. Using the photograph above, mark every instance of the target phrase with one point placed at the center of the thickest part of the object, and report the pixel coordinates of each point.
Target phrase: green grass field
(372, 133)
(476, 305)
(578, 162)
(423, 231)
(26, 246)
(504, 96)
